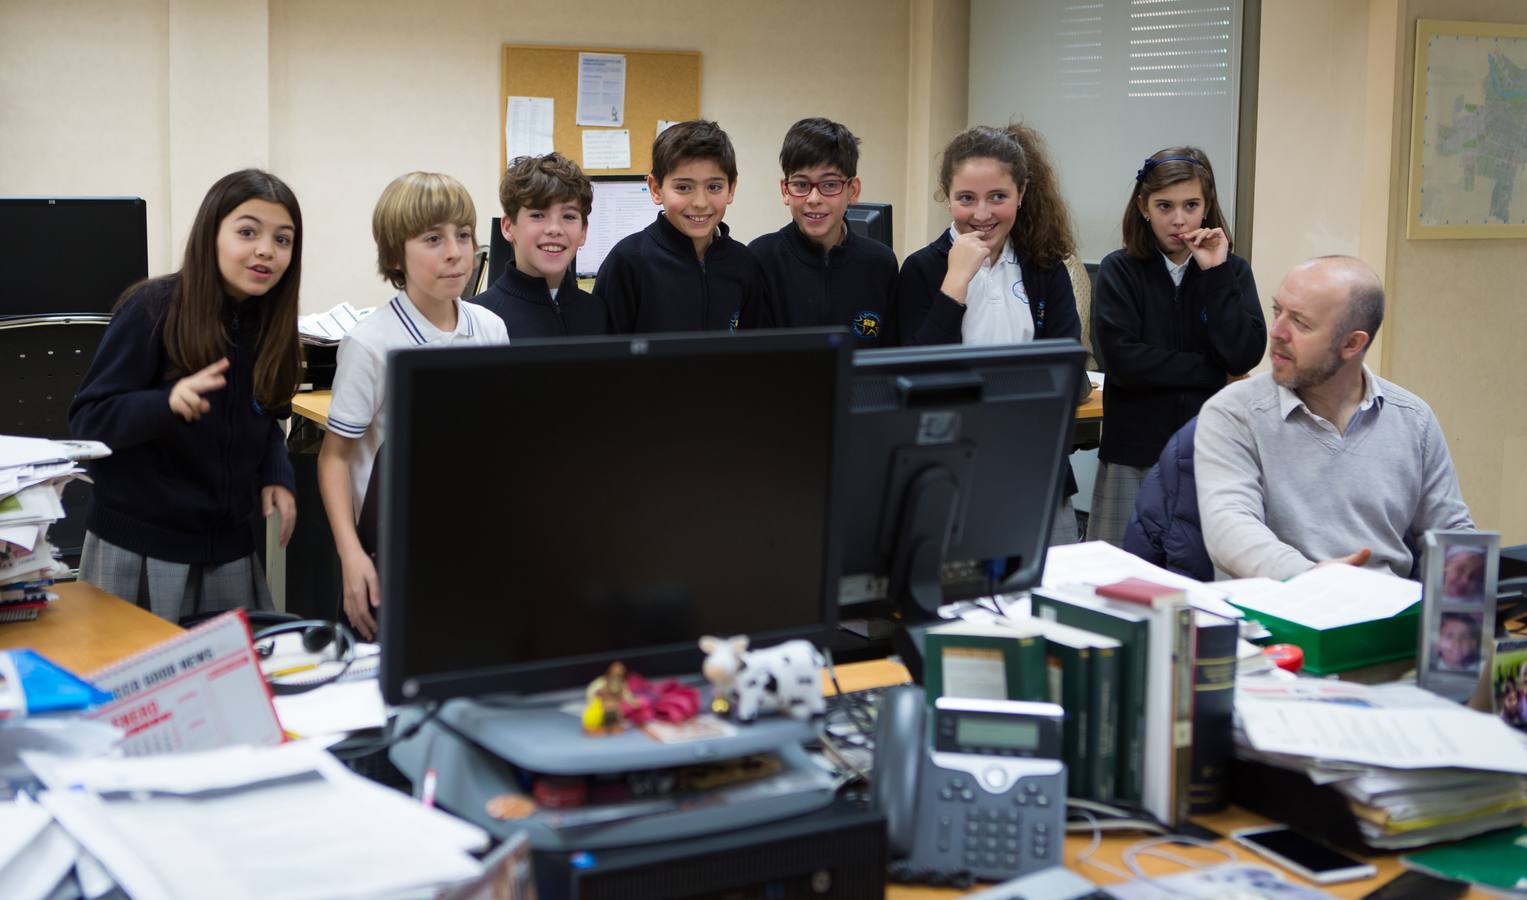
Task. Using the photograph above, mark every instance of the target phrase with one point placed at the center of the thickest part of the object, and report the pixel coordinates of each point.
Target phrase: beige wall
(1458, 316)
(159, 97)
(1333, 157)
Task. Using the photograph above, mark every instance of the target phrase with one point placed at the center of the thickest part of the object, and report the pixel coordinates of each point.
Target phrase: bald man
(1321, 460)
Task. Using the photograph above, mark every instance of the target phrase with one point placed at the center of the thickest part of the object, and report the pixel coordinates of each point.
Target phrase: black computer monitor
(70, 254)
(872, 220)
(553, 506)
(956, 461)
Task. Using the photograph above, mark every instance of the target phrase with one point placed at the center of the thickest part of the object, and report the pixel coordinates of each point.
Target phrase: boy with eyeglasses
(684, 272)
(819, 272)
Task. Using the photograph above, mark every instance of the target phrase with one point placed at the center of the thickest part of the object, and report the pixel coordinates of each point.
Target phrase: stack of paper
(33, 473)
(1415, 768)
(245, 822)
(326, 328)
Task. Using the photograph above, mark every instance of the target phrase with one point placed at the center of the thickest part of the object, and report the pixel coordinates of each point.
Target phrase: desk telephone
(971, 785)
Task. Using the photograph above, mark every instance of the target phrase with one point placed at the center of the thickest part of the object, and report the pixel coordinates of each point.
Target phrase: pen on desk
(291, 670)
(427, 791)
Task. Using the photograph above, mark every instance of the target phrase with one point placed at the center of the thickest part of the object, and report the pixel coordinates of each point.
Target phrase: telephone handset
(970, 785)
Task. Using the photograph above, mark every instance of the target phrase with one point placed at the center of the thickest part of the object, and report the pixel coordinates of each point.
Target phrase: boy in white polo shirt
(425, 229)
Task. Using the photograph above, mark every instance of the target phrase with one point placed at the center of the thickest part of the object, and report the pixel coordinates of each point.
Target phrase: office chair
(475, 283)
(43, 359)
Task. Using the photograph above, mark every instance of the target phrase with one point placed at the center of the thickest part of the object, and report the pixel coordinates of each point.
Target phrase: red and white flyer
(197, 691)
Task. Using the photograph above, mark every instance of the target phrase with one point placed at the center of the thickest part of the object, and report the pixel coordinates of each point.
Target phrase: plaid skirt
(172, 590)
(1113, 501)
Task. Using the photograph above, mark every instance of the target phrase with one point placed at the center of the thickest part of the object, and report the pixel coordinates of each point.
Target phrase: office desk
(87, 629)
(858, 676)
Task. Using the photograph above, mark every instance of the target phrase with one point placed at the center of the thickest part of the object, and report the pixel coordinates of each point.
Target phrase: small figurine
(783, 677)
(606, 696)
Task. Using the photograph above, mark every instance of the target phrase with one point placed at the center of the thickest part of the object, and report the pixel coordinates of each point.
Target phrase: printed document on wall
(528, 126)
(602, 89)
(607, 149)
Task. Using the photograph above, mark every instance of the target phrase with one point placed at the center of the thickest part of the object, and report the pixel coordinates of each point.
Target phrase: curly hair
(1042, 232)
(536, 182)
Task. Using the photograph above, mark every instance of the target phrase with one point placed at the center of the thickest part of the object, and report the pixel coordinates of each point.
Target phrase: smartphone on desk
(1302, 855)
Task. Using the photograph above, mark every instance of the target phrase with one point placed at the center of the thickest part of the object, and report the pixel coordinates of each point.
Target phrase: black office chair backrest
(368, 527)
(43, 359)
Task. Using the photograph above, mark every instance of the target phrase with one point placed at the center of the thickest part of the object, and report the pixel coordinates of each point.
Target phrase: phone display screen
(1007, 733)
(1300, 850)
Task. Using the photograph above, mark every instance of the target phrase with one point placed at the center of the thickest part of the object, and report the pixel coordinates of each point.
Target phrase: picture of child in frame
(1463, 575)
(1458, 638)
(1509, 681)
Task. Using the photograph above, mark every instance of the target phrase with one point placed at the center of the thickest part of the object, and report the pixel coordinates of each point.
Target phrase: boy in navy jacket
(684, 272)
(819, 272)
(546, 202)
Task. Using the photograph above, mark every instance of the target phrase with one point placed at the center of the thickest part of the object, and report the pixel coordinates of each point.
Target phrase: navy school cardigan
(653, 282)
(174, 490)
(852, 284)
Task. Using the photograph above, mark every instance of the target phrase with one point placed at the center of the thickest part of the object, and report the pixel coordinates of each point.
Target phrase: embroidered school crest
(867, 324)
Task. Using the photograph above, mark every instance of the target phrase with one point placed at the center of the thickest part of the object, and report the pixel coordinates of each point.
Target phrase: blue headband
(1153, 163)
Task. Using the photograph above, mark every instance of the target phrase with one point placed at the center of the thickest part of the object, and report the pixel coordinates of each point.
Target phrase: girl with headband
(1176, 317)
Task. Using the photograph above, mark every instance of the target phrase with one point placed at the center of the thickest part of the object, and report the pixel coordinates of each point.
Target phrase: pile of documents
(240, 822)
(1415, 768)
(33, 473)
(326, 328)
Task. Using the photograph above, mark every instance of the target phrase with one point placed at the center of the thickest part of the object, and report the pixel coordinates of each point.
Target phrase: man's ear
(654, 188)
(1355, 344)
(506, 228)
(853, 189)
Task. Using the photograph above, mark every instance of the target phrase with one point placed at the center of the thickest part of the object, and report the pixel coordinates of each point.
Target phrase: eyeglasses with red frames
(827, 187)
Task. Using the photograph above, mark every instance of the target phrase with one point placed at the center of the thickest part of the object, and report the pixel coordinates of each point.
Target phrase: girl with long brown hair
(187, 389)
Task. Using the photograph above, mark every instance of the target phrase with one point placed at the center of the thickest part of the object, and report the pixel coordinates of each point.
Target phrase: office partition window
(1109, 82)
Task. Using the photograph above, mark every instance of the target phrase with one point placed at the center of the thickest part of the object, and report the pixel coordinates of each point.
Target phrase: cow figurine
(783, 677)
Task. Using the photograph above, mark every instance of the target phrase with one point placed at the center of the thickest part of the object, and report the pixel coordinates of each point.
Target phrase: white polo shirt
(996, 302)
(357, 409)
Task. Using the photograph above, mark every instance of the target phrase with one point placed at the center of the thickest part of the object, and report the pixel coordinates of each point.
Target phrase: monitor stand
(478, 748)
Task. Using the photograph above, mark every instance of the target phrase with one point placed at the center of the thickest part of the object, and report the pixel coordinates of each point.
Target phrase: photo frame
(1467, 178)
(1459, 571)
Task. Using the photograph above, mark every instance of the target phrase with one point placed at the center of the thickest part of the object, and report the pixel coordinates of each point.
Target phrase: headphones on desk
(317, 636)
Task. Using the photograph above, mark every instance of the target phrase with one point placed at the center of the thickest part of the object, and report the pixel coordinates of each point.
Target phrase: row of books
(1145, 678)
(33, 473)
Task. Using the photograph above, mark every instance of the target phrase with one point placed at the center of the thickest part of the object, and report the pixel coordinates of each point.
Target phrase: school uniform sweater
(175, 490)
(850, 284)
(1168, 348)
(530, 311)
(653, 282)
(927, 315)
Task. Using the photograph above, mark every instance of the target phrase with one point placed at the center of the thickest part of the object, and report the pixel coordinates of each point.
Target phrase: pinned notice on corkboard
(659, 85)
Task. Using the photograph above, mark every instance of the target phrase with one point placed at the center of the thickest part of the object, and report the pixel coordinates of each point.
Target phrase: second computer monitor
(956, 457)
(872, 220)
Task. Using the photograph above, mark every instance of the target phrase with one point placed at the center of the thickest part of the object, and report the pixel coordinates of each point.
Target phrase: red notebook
(1145, 593)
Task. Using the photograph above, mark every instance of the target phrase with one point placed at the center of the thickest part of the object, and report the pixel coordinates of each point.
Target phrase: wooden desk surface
(314, 406)
(858, 676)
(87, 629)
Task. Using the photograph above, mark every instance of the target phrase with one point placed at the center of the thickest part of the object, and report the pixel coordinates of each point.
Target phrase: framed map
(1468, 147)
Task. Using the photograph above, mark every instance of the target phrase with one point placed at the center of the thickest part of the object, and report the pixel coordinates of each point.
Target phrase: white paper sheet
(607, 149)
(601, 89)
(1097, 563)
(1335, 595)
(341, 707)
(331, 835)
(528, 126)
(1403, 738)
(663, 125)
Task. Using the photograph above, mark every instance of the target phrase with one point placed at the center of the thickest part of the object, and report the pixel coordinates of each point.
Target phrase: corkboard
(659, 85)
